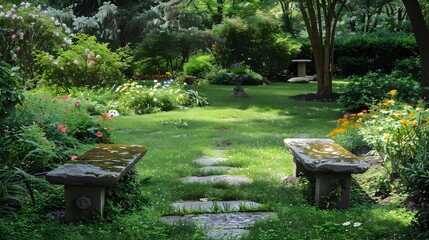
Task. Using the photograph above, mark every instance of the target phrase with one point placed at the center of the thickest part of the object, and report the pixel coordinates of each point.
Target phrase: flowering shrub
(60, 125)
(85, 63)
(9, 85)
(25, 29)
(164, 96)
(393, 128)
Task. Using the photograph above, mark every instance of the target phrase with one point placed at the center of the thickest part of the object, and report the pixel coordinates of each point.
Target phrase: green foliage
(256, 41)
(10, 89)
(408, 67)
(223, 76)
(361, 53)
(15, 187)
(126, 196)
(85, 63)
(198, 66)
(363, 91)
(162, 52)
(26, 29)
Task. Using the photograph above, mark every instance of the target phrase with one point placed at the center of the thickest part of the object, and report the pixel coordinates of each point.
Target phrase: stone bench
(332, 166)
(85, 180)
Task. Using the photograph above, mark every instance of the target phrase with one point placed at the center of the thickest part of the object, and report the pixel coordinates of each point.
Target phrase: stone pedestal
(302, 72)
(82, 201)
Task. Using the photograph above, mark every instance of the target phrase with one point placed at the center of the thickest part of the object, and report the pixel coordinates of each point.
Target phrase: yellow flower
(386, 137)
(393, 92)
(168, 73)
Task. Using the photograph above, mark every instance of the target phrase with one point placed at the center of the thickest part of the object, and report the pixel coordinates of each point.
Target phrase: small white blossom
(357, 224)
(346, 223)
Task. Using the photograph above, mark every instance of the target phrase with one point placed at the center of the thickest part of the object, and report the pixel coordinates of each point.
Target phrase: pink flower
(99, 134)
(91, 63)
(77, 103)
(62, 128)
(6, 131)
(76, 61)
(90, 55)
(73, 157)
(13, 36)
(13, 10)
(21, 35)
(66, 98)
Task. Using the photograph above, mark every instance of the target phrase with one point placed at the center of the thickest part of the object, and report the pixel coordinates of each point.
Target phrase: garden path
(218, 219)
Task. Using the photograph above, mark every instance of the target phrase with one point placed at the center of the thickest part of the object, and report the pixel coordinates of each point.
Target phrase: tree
(421, 32)
(321, 18)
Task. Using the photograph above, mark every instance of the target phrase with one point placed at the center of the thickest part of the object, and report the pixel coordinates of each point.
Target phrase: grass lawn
(250, 131)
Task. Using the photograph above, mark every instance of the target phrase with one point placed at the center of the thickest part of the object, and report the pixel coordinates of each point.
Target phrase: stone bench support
(85, 180)
(332, 166)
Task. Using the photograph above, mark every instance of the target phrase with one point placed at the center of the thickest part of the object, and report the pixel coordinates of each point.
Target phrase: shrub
(85, 63)
(221, 76)
(257, 41)
(198, 66)
(361, 92)
(10, 90)
(408, 67)
(26, 29)
(360, 54)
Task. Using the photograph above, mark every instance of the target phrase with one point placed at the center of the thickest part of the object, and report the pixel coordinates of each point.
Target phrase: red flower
(99, 134)
(77, 103)
(109, 129)
(62, 128)
(73, 157)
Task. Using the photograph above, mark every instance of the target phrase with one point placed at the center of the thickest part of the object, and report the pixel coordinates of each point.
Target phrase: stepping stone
(212, 205)
(208, 161)
(221, 225)
(233, 180)
(216, 168)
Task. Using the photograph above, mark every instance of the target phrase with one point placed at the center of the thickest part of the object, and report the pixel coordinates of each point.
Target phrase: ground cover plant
(251, 129)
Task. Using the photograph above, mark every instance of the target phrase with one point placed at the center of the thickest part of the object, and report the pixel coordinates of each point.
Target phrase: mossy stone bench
(86, 179)
(332, 166)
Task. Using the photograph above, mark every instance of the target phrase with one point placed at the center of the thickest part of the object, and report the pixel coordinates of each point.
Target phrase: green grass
(251, 130)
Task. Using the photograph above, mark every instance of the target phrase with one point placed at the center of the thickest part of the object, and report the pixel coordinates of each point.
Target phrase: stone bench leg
(82, 201)
(326, 183)
(297, 168)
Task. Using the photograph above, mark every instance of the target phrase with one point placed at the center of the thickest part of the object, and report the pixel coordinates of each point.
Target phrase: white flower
(155, 100)
(357, 224)
(346, 223)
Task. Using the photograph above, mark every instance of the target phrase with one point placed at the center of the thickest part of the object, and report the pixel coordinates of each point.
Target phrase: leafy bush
(198, 65)
(26, 29)
(85, 63)
(360, 54)
(222, 76)
(10, 91)
(257, 41)
(362, 92)
(408, 67)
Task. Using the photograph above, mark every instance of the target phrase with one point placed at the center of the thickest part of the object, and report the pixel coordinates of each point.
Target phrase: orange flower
(393, 92)
(99, 134)
(357, 125)
(109, 129)
(364, 111)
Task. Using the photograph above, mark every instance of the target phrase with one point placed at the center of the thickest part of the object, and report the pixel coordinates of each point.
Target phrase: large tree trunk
(421, 33)
(320, 18)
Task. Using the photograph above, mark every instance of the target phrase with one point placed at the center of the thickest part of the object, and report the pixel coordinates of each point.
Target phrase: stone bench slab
(103, 165)
(324, 155)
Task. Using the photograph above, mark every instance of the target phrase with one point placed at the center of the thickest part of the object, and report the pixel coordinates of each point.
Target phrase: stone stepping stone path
(215, 205)
(216, 168)
(230, 179)
(231, 224)
(222, 225)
